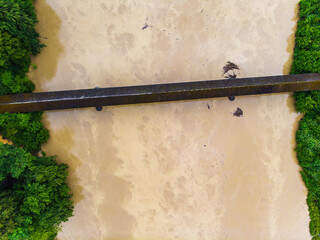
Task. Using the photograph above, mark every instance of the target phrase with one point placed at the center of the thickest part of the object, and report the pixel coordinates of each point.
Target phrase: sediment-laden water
(180, 170)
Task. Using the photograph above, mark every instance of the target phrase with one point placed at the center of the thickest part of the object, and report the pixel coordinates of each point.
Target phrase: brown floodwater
(179, 170)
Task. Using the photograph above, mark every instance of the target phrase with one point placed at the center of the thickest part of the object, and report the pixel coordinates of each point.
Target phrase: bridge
(98, 97)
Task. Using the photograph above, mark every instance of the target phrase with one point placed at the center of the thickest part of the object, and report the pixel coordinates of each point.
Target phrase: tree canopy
(24, 129)
(34, 198)
(306, 60)
(18, 19)
(18, 40)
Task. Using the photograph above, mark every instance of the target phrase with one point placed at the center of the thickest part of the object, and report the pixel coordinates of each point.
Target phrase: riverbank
(34, 198)
(306, 55)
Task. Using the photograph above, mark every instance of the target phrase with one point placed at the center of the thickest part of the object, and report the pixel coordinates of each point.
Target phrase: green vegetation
(34, 198)
(18, 40)
(24, 129)
(306, 60)
(18, 18)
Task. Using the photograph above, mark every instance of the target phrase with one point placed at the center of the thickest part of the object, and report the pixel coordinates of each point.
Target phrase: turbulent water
(179, 170)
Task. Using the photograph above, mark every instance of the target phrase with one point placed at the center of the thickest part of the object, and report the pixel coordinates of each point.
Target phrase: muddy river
(179, 170)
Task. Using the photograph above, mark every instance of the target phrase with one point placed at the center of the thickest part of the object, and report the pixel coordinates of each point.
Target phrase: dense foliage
(18, 40)
(10, 83)
(34, 198)
(24, 129)
(18, 18)
(306, 60)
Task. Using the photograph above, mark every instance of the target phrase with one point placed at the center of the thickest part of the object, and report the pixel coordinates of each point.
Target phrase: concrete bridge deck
(32, 102)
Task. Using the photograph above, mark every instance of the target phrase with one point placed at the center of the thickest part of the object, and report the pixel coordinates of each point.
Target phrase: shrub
(10, 83)
(24, 129)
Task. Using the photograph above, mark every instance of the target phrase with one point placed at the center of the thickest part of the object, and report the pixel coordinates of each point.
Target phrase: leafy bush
(307, 101)
(306, 60)
(24, 129)
(9, 84)
(37, 198)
